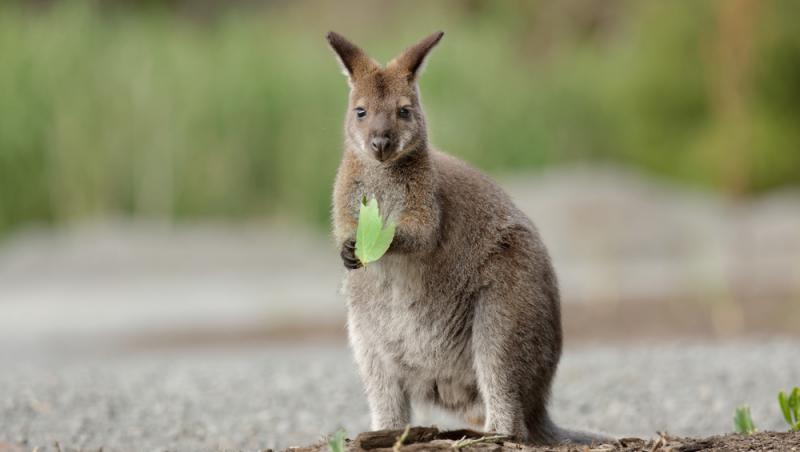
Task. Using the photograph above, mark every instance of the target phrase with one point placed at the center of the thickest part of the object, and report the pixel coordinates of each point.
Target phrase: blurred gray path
(73, 302)
(614, 237)
(111, 281)
(252, 398)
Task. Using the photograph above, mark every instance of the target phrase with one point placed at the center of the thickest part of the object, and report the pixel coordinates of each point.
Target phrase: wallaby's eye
(404, 113)
(360, 112)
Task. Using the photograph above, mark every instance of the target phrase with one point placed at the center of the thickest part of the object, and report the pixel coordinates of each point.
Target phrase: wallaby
(463, 310)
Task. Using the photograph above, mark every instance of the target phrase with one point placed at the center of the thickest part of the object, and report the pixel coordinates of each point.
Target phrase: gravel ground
(250, 398)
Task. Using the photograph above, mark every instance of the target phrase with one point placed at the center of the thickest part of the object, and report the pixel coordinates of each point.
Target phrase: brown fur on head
(384, 119)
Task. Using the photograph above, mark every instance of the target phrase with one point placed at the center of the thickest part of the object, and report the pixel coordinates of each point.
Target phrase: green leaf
(784, 402)
(743, 422)
(372, 237)
(336, 442)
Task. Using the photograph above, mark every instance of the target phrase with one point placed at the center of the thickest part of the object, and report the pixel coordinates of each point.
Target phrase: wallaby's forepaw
(348, 254)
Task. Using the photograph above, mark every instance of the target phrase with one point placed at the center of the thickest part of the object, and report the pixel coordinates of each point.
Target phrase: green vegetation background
(154, 110)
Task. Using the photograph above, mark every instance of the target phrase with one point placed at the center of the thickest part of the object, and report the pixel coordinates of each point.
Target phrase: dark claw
(348, 255)
(352, 265)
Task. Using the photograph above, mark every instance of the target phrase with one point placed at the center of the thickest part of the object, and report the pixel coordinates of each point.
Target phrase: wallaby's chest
(391, 195)
(416, 330)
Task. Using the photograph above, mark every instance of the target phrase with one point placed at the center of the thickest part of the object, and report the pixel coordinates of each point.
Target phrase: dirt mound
(430, 438)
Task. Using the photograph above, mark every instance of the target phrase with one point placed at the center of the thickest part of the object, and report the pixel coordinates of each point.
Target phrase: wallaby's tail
(549, 433)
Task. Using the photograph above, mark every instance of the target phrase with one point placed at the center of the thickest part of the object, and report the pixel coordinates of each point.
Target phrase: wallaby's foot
(348, 254)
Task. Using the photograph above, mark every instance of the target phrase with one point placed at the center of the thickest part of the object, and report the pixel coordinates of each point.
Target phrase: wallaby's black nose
(379, 146)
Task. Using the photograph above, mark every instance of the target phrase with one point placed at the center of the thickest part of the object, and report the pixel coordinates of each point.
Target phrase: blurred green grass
(149, 112)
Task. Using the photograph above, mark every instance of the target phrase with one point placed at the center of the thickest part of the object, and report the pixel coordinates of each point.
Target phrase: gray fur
(463, 311)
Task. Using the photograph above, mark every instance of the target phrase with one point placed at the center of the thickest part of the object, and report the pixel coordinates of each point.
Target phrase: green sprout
(791, 408)
(743, 422)
(398, 445)
(372, 237)
(336, 442)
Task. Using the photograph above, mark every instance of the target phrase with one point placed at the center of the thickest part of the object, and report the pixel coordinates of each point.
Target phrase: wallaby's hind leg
(504, 410)
(517, 342)
(389, 404)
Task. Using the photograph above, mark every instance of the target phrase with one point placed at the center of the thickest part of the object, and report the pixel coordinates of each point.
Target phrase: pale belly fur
(425, 343)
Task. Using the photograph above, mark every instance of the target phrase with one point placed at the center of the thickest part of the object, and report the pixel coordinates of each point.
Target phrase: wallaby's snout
(385, 119)
(381, 141)
(380, 147)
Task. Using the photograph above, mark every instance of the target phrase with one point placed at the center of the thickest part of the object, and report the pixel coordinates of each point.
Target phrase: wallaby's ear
(355, 63)
(412, 60)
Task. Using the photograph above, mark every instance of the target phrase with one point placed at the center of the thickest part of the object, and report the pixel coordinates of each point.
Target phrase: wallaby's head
(384, 119)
